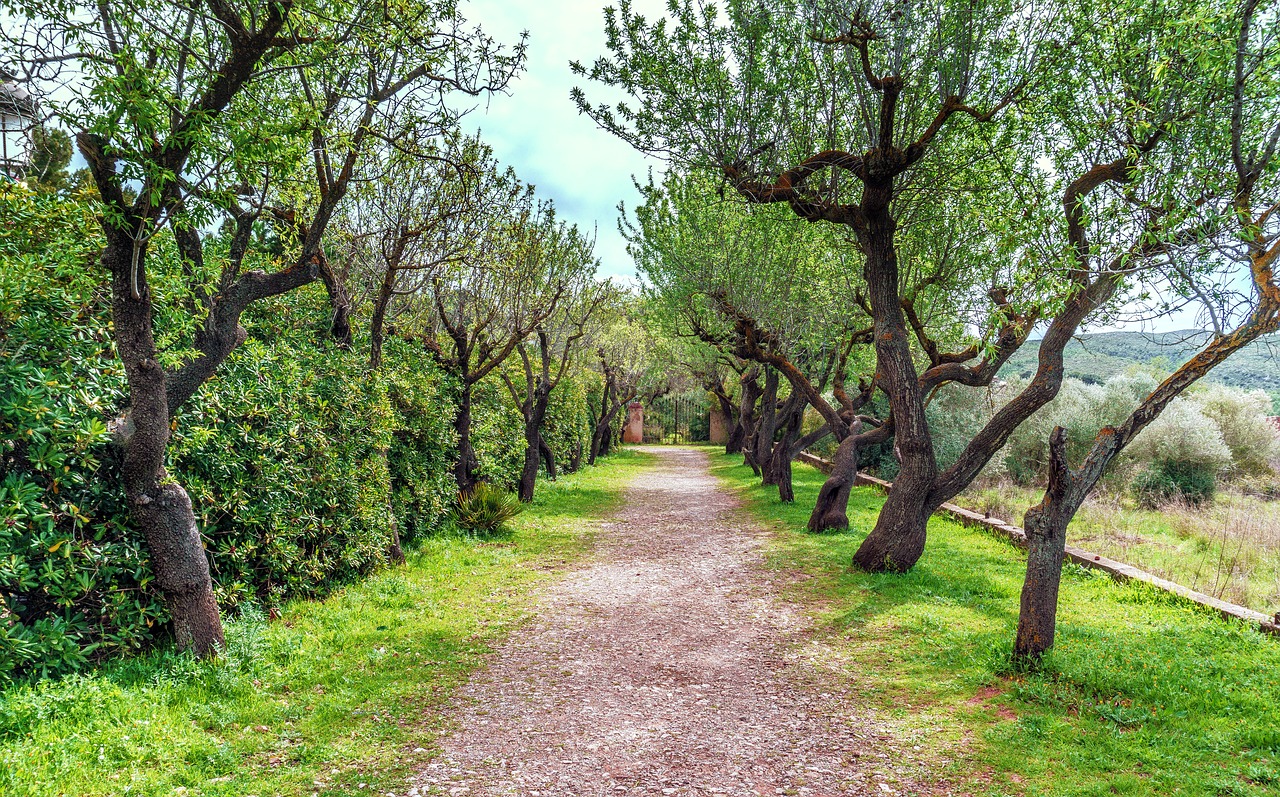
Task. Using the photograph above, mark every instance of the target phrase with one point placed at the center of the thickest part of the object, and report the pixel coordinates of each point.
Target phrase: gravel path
(667, 664)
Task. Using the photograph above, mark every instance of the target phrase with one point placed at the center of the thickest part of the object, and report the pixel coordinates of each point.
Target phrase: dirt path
(666, 665)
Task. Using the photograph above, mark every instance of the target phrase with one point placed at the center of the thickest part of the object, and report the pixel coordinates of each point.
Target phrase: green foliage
(485, 509)
(1193, 482)
(332, 695)
(1139, 681)
(567, 426)
(497, 433)
(423, 442)
(51, 154)
(284, 454)
(298, 461)
(74, 576)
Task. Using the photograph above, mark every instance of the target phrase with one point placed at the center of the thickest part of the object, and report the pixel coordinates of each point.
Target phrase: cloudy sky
(537, 129)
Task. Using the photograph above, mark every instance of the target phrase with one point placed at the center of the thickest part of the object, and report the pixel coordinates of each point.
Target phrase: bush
(1241, 418)
(484, 508)
(296, 459)
(423, 444)
(74, 580)
(1193, 482)
(1182, 434)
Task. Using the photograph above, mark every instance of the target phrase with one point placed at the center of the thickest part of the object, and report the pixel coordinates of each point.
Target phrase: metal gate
(678, 418)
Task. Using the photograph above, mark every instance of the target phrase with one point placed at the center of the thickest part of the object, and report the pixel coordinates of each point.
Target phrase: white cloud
(537, 128)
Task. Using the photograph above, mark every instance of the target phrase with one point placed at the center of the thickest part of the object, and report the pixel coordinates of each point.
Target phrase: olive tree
(881, 120)
(188, 113)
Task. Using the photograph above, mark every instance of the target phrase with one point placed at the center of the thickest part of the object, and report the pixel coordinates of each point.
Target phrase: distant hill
(1094, 358)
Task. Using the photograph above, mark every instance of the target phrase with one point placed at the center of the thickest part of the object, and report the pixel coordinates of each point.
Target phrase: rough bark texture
(159, 507)
(465, 470)
(1046, 527)
(830, 512)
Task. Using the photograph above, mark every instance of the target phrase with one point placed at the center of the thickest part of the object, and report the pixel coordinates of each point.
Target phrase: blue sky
(537, 129)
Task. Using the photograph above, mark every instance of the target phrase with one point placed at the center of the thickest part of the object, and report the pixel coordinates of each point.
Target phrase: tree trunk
(465, 470)
(575, 456)
(746, 412)
(535, 413)
(780, 460)
(377, 324)
(158, 506)
(897, 540)
(529, 473)
(339, 300)
(548, 457)
(1046, 527)
(831, 511)
(762, 444)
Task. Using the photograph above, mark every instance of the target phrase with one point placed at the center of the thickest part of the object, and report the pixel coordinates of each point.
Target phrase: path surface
(667, 664)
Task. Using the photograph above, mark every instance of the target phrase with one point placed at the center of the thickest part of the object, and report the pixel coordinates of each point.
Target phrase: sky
(536, 128)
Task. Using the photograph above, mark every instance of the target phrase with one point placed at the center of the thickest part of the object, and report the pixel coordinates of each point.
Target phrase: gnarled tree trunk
(465, 470)
(830, 511)
(158, 506)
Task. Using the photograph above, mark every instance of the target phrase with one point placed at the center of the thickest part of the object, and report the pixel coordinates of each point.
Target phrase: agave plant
(484, 508)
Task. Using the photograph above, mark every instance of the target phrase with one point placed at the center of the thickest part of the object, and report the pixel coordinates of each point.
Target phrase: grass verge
(1143, 695)
(1229, 549)
(337, 697)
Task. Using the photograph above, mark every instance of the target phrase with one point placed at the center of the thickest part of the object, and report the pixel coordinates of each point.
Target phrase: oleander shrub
(74, 580)
(567, 427)
(284, 454)
(298, 461)
(423, 445)
(485, 508)
(497, 434)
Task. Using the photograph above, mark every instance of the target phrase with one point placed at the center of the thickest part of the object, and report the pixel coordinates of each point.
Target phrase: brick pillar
(633, 432)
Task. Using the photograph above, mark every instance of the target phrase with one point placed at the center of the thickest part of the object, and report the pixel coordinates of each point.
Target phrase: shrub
(1241, 418)
(296, 459)
(423, 444)
(1193, 482)
(1182, 434)
(484, 508)
(497, 434)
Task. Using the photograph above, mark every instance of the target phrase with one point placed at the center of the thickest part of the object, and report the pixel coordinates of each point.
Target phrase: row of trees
(254, 149)
(919, 190)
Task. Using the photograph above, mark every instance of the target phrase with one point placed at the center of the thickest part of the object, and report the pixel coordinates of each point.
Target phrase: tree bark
(746, 412)
(792, 415)
(465, 469)
(158, 506)
(897, 540)
(548, 457)
(1046, 527)
(760, 445)
(535, 415)
(830, 511)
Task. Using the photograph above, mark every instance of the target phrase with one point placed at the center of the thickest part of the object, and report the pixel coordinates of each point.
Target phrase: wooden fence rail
(1117, 570)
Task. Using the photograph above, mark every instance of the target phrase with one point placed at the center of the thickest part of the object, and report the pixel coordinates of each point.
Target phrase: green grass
(335, 697)
(1144, 694)
(1229, 549)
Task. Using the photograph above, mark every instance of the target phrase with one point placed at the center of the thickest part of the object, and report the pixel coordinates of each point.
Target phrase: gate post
(633, 432)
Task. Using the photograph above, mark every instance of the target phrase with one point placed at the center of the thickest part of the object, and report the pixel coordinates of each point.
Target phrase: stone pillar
(633, 432)
(719, 428)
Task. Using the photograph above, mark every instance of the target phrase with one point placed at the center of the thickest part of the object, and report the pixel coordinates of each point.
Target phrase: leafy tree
(556, 343)
(50, 156)
(886, 123)
(208, 108)
(509, 281)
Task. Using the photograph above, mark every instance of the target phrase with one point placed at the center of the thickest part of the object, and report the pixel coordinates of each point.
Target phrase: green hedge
(299, 462)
